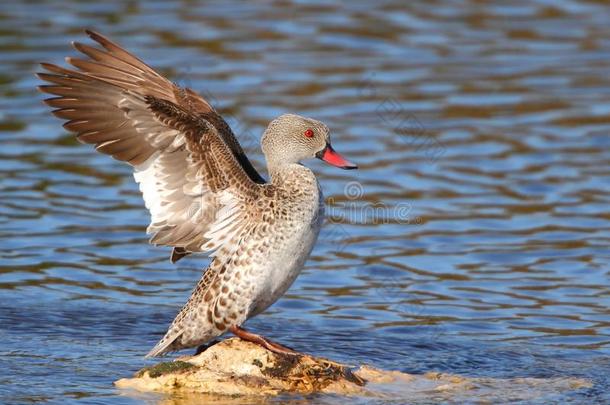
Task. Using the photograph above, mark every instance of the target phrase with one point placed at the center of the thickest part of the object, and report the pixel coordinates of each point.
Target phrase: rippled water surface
(473, 240)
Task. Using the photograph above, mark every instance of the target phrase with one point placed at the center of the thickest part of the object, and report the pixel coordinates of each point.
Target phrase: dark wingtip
(41, 76)
(47, 88)
(76, 45)
(49, 67)
(97, 37)
(53, 68)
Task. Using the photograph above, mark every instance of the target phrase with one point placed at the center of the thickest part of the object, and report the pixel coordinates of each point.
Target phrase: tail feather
(164, 346)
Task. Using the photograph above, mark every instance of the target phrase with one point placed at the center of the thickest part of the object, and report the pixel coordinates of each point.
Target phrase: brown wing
(107, 103)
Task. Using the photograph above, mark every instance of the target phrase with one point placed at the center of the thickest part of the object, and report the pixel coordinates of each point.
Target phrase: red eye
(309, 133)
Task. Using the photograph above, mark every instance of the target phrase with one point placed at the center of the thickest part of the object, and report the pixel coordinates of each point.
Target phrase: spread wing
(189, 165)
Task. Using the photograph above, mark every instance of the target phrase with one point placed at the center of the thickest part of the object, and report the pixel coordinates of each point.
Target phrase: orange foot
(262, 341)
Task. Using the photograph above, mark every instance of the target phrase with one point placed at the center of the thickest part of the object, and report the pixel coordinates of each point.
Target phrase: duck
(202, 192)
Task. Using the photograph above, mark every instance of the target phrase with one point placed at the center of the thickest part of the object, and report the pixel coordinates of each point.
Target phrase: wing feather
(193, 174)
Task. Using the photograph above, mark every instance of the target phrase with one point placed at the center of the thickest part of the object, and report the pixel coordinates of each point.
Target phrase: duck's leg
(262, 341)
(202, 348)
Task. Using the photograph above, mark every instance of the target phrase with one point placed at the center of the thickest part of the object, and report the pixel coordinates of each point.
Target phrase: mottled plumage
(202, 192)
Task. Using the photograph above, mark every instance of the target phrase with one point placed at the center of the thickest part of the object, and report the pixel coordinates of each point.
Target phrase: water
(473, 240)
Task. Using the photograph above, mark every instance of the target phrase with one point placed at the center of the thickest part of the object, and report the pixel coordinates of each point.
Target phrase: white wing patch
(228, 228)
(181, 207)
(146, 176)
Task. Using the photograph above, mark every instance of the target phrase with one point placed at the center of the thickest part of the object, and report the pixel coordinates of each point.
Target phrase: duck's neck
(281, 173)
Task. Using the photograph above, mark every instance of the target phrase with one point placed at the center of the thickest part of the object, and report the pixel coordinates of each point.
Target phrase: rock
(235, 368)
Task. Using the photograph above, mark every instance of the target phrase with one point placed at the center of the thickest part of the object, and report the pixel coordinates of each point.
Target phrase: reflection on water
(490, 122)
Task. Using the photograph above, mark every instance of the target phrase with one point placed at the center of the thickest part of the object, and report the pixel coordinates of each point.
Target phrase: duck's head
(291, 138)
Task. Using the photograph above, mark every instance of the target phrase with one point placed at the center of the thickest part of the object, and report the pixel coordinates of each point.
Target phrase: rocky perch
(235, 368)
